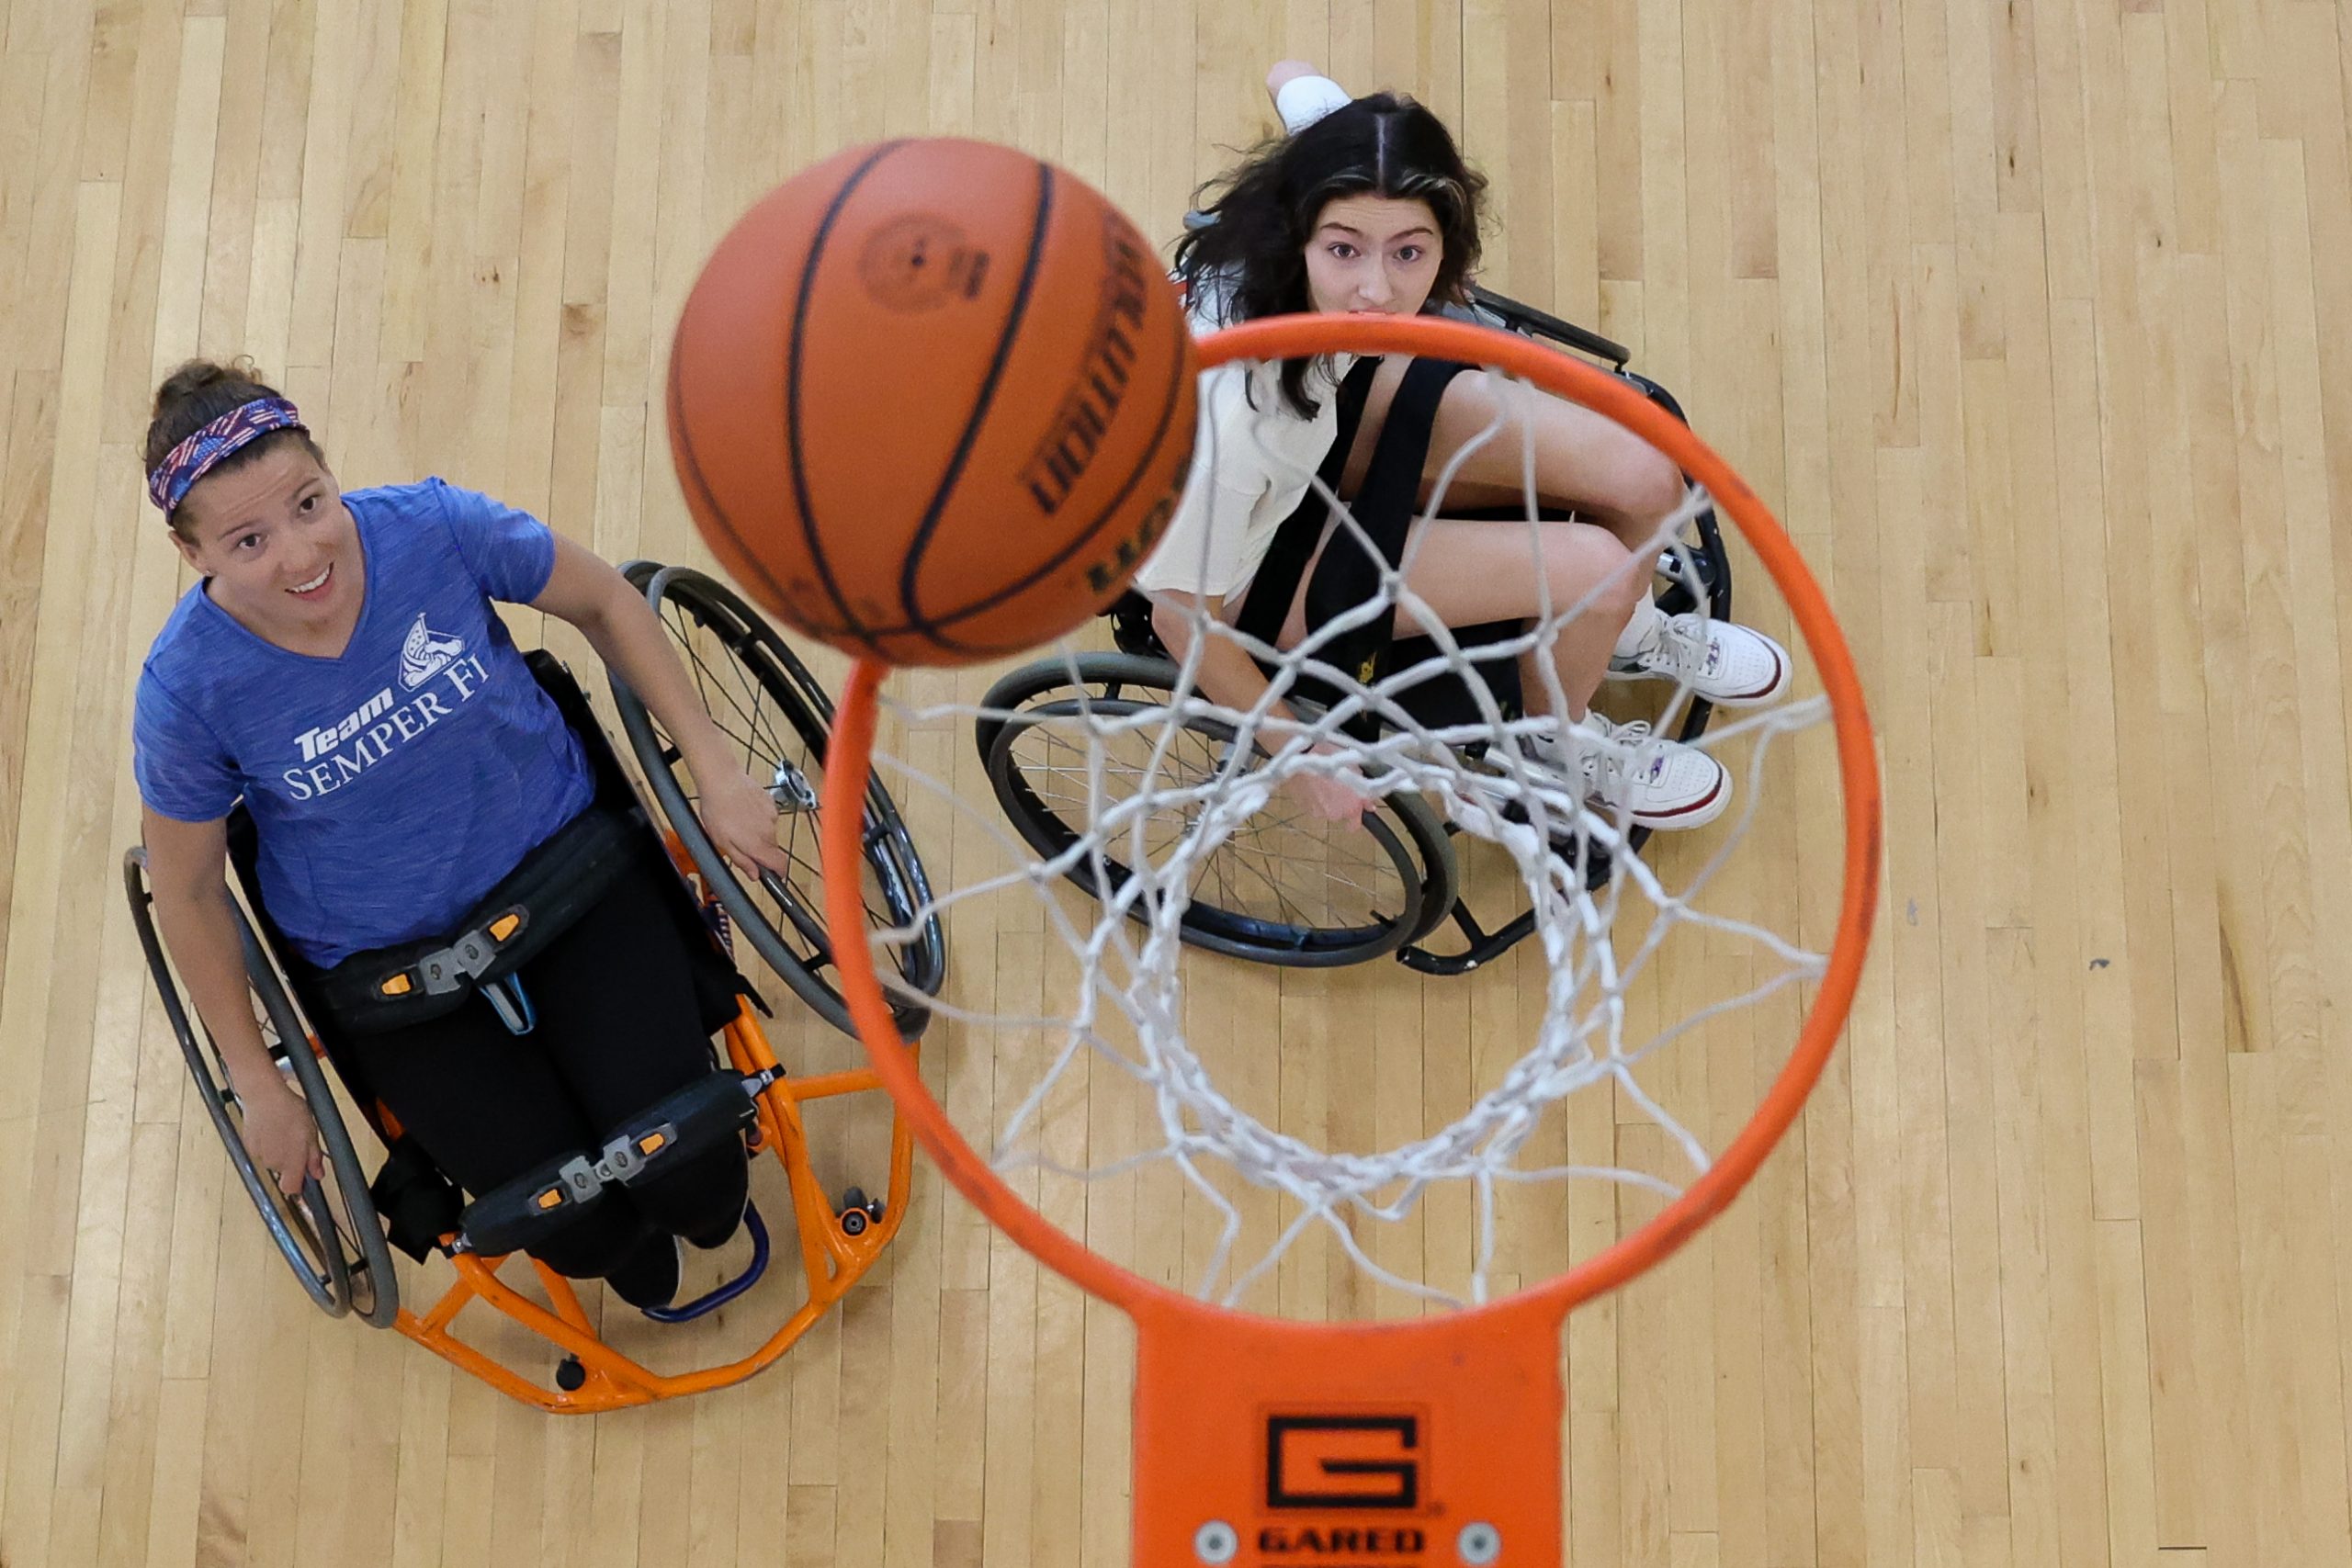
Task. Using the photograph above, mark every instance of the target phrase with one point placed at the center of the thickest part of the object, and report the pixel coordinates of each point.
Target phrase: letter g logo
(1365, 1460)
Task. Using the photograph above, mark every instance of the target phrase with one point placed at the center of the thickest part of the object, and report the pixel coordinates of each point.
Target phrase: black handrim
(764, 698)
(351, 1274)
(370, 1285)
(1404, 838)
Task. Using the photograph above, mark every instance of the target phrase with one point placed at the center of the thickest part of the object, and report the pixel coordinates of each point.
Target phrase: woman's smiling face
(278, 544)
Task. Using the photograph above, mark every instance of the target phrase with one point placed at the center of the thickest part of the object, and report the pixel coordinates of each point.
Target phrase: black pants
(620, 1025)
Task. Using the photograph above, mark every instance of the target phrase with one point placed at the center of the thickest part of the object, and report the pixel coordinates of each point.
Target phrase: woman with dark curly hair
(1365, 206)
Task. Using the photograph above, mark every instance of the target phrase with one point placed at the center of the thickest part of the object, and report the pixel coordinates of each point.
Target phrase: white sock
(1639, 629)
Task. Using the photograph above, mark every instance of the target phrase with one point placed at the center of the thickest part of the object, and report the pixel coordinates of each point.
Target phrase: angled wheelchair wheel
(757, 691)
(1281, 890)
(329, 1235)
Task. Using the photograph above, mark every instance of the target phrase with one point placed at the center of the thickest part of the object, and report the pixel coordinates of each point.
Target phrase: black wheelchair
(338, 1235)
(1270, 894)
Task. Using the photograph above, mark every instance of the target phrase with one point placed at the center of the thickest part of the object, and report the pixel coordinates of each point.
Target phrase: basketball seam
(1176, 383)
(912, 567)
(918, 624)
(852, 626)
(683, 445)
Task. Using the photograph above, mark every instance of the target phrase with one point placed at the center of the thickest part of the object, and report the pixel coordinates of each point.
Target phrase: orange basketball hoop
(1432, 1439)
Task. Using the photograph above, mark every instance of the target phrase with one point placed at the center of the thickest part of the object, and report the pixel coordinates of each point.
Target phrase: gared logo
(1357, 1459)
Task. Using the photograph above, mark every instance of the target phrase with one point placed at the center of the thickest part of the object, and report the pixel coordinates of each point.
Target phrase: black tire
(1408, 859)
(769, 702)
(332, 1239)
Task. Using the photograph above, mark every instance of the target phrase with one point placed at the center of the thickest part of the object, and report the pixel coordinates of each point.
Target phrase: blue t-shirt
(393, 786)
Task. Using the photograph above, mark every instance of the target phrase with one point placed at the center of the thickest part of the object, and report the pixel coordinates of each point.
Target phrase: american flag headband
(171, 479)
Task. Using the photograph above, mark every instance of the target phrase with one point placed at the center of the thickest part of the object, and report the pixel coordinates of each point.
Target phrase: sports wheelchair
(337, 1235)
(1399, 886)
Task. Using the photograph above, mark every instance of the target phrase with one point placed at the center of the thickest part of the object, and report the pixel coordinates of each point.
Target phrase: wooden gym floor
(2033, 320)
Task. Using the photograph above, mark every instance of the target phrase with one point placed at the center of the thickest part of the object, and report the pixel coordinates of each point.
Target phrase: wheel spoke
(1279, 867)
(771, 716)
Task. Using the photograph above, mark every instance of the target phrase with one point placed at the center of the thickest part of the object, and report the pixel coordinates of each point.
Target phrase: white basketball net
(1178, 801)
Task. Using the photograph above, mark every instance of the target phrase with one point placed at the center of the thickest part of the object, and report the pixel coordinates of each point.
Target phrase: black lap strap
(1383, 506)
(393, 988)
(668, 1135)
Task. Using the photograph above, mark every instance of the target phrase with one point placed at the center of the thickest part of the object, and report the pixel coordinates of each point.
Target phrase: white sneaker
(1731, 666)
(1657, 782)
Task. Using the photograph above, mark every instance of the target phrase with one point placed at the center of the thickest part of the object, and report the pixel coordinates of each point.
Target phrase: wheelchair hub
(792, 790)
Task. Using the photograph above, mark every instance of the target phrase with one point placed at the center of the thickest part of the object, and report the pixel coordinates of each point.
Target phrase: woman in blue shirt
(341, 670)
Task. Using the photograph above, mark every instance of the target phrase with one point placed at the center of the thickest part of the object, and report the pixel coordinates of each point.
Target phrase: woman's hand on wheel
(282, 1136)
(1329, 797)
(740, 816)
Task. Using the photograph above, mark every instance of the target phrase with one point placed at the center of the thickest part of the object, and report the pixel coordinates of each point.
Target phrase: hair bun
(193, 377)
(197, 392)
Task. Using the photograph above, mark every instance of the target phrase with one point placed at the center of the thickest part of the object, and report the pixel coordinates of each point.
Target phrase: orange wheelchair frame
(832, 1259)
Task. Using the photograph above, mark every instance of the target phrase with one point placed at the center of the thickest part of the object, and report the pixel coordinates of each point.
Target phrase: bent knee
(1592, 566)
(1647, 483)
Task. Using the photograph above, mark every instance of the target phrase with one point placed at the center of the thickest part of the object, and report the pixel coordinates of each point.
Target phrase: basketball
(932, 401)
